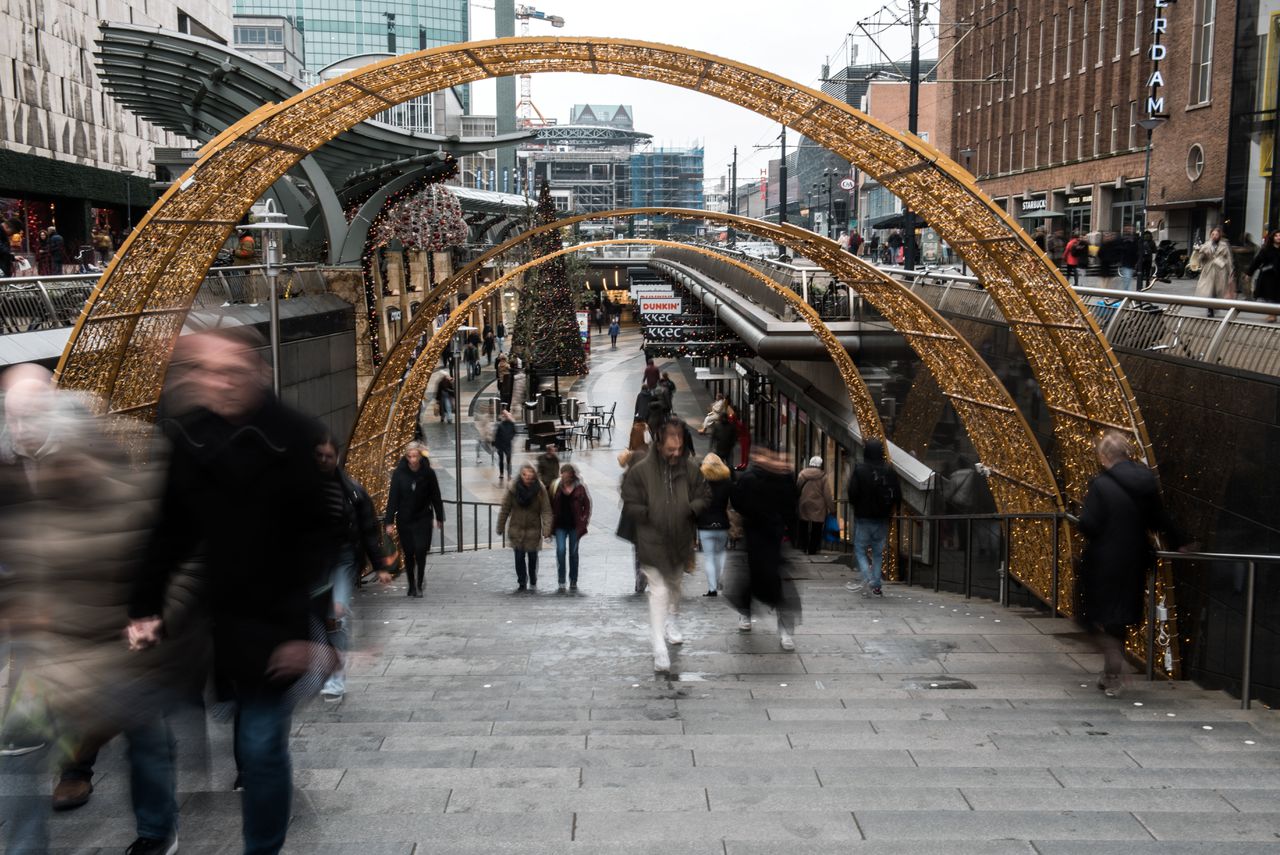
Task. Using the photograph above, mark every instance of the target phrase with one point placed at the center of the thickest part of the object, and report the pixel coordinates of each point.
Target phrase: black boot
(422, 581)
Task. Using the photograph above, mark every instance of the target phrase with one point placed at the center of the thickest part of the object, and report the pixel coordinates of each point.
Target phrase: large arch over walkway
(1022, 481)
(120, 347)
(389, 410)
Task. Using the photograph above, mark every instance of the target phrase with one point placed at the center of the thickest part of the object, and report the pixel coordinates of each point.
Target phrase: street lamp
(1149, 124)
(270, 223)
(831, 174)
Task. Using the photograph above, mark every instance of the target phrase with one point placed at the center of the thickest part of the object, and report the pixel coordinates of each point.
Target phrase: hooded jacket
(719, 484)
(664, 500)
(815, 495)
(1121, 511)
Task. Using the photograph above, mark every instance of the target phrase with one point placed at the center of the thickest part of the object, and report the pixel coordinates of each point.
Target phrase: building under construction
(668, 178)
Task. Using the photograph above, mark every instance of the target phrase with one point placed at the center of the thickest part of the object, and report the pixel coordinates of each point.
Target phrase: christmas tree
(546, 333)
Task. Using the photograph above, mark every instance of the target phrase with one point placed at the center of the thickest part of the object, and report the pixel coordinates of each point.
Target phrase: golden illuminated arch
(1021, 480)
(390, 408)
(121, 344)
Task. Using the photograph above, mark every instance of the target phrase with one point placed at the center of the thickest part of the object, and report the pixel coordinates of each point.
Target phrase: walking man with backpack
(874, 494)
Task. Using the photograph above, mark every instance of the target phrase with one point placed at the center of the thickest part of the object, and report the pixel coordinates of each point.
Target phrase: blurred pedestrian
(724, 433)
(236, 447)
(614, 329)
(502, 337)
(571, 514)
(525, 517)
(816, 503)
(626, 525)
(73, 683)
(651, 373)
(444, 397)
(873, 493)
(1214, 256)
(663, 494)
(766, 496)
(1130, 257)
(354, 525)
(504, 436)
(471, 356)
(1122, 511)
(1266, 267)
(548, 464)
(490, 342)
(714, 413)
(1076, 256)
(713, 521)
(412, 502)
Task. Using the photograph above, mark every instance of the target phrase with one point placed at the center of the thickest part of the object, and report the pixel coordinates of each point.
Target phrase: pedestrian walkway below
(483, 721)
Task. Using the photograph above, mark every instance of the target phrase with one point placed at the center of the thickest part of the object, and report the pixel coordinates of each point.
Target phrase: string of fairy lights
(373, 243)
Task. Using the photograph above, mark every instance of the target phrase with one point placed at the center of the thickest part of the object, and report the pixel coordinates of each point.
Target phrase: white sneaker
(661, 659)
(744, 623)
(673, 634)
(785, 639)
(853, 586)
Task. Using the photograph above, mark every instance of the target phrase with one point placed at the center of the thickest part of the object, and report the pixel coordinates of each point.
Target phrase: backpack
(883, 492)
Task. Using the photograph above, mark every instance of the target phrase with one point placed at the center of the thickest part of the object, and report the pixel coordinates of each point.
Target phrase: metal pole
(830, 208)
(128, 204)
(782, 181)
(913, 125)
(1053, 583)
(911, 553)
(733, 196)
(274, 303)
(457, 434)
(1004, 564)
(1246, 675)
(1151, 626)
(968, 559)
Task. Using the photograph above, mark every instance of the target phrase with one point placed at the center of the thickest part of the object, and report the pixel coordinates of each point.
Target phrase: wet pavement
(481, 720)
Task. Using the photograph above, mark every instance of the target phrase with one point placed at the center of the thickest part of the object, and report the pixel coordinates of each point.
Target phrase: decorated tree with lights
(546, 332)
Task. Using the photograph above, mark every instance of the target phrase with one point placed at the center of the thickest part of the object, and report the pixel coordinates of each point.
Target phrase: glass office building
(336, 29)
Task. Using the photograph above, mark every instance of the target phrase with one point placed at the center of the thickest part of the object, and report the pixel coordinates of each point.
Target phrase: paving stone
(1000, 825)
(644, 799)
(781, 827)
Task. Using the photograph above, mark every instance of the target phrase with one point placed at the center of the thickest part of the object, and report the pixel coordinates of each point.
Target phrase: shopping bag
(831, 528)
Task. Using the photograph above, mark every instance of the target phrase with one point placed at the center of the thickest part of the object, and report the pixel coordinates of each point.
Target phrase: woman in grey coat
(526, 518)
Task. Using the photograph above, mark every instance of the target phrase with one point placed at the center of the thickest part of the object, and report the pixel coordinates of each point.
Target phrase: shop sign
(682, 333)
(1080, 199)
(1157, 52)
(1034, 204)
(659, 306)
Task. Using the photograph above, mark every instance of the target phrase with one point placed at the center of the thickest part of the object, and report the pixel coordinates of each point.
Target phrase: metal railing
(1172, 324)
(35, 303)
(910, 523)
(484, 515)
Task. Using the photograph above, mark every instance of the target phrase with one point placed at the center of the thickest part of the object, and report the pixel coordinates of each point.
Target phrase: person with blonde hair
(713, 521)
(1122, 511)
(412, 501)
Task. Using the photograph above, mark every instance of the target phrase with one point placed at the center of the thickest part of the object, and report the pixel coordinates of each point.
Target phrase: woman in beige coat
(526, 519)
(1216, 268)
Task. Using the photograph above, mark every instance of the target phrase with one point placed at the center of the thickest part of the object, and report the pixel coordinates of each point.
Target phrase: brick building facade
(1041, 101)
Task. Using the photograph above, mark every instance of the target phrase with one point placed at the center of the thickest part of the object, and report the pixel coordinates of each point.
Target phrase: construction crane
(526, 110)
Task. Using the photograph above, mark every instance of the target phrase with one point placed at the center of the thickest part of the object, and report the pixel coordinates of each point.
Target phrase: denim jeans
(153, 779)
(713, 542)
(1126, 278)
(504, 461)
(343, 575)
(262, 750)
(567, 540)
(870, 535)
(526, 566)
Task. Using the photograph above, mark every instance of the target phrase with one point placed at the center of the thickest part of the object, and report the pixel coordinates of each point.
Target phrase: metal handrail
(31, 303)
(478, 509)
(1251, 560)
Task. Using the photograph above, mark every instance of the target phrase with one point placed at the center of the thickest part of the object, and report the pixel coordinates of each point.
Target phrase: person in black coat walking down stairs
(1122, 510)
(874, 493)
(767, 497)
(414, 497)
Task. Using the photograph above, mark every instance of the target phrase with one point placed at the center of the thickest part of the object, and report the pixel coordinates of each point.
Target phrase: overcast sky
(792, 39)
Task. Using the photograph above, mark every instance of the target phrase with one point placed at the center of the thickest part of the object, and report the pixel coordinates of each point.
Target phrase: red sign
(659, 306)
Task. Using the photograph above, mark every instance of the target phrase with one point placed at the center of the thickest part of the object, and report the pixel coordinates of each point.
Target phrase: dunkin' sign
(659, 305)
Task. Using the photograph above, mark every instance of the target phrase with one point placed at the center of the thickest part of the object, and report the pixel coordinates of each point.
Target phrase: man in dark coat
(766, 496)
(1122, 510)
(662, 495)
(874, 492)
(238, 451)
